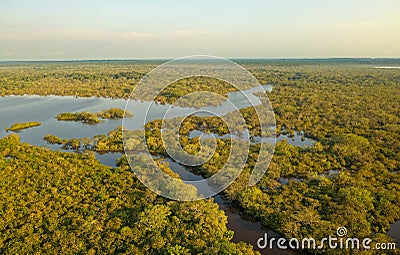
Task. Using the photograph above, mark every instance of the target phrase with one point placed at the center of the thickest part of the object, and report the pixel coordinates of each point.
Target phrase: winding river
(45, 108)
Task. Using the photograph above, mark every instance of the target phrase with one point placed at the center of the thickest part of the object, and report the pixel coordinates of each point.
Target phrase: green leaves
(65, 203)
(93, 118)
(24, 125)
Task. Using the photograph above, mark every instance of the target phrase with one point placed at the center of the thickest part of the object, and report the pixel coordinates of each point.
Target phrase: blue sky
(88, 29)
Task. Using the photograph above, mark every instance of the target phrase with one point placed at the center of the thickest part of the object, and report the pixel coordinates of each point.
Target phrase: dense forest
(112, 142)
(341, 181)
(64, 203)
(349, 177)
(81, 79)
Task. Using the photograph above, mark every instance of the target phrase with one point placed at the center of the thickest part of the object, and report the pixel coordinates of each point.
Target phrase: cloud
(350, 26)
(57, 53)
(163, 34)
(40, 35)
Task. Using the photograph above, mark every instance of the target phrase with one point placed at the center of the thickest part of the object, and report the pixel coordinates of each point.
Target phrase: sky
(153, 29)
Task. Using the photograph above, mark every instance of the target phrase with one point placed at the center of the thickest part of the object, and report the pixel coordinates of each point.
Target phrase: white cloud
(38, 35)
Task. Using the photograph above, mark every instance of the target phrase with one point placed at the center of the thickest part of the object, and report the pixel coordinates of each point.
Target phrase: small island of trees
(93, 118)
(112, 142)
(18, 126)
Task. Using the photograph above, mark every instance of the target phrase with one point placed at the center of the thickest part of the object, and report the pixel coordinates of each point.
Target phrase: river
(45, 108)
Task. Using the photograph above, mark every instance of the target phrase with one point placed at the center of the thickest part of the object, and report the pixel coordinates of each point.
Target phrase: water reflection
(245, 228)
(296, 140)
(45, 108)
(394, 232)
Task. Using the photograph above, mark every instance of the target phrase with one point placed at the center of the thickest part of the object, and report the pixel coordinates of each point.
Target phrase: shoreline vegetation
(112, 142)
(18, 126)
(348, 106)
(72, 204)
(94, 118)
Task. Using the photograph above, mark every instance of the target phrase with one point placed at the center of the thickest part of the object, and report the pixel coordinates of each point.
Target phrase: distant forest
(350, 107)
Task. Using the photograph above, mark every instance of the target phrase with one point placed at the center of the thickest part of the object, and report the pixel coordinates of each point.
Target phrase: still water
(45, 108)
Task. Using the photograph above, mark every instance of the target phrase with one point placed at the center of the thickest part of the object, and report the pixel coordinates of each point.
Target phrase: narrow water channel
(245, 228)
(44, 109)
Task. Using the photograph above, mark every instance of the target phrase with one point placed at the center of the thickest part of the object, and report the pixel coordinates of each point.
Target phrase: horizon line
(167, 59)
